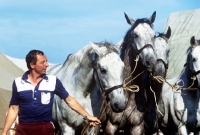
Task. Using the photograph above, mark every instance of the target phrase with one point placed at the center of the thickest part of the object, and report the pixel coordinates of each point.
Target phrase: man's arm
(72, 103)
(10, 118)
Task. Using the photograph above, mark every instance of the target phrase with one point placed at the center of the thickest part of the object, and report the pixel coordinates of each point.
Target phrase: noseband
(145, 46)
(193, 73)
(105, 91)
(165, 64)
(141, 49)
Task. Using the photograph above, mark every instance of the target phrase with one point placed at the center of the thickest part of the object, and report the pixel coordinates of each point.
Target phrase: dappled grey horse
(87, 74)
(180, 101)
(138, 43)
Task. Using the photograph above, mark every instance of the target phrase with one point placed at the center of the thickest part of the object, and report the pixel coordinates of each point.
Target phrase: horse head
(193, 59)
(162, 50)
(109, 69)
(141, 36)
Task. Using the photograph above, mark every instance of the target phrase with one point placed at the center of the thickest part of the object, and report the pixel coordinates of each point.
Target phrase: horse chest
(186, 107)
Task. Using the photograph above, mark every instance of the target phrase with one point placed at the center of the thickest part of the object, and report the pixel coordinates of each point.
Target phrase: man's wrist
(85, 116)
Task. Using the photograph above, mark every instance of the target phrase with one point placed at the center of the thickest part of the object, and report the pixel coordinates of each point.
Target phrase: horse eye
(103, 71)
(135, 35)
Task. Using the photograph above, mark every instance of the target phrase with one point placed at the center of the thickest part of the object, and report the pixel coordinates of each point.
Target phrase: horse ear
(94, 46)
(168, 34)
(129, 20)
(152, 18)
(119, 45)
(192, 41)
(97, 49)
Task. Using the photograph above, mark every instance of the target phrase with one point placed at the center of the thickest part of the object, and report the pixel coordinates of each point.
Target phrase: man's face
(41, 65)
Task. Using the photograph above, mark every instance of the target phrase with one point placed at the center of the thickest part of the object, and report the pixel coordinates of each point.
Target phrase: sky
(62, 27)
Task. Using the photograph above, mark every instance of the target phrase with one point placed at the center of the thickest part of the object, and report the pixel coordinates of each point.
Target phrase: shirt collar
(25, 76)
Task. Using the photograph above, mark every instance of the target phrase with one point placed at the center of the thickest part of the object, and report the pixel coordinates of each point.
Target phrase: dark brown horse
(138, 42)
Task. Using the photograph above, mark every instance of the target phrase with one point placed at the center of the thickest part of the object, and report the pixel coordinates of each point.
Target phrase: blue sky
(61, 27)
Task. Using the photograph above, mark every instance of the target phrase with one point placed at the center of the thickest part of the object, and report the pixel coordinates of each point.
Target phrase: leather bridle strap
(165, 65)
(112, 88)
(141, 49)
(196, 73)
(101, 86)
(193, 72)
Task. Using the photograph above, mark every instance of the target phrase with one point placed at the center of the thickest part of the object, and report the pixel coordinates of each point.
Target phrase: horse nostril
(147, 63)
(116, 106)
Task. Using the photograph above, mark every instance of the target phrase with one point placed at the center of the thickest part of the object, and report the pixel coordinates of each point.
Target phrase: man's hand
(93, 120)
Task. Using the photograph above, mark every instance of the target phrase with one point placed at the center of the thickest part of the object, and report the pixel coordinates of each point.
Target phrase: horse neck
(77, 73)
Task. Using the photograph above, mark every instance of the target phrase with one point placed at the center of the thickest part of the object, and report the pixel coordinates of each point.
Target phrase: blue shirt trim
(35, 103)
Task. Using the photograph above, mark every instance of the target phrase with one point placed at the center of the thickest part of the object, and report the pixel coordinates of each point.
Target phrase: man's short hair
(32, 57)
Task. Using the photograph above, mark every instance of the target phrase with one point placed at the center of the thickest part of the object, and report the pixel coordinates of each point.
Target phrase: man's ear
(32, 65)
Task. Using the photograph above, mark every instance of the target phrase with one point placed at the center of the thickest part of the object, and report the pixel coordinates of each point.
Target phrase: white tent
(184, 25)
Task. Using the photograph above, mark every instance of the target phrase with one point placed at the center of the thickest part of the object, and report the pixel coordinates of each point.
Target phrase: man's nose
(46, 64)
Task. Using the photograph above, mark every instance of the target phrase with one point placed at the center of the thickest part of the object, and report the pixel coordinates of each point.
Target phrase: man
(32, 99)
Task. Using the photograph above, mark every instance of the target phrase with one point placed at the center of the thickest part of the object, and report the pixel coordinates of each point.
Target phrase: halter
(161, 35)
(194, 73)
(165, 64)
(141, 49)
(105, 91)
(144, 20)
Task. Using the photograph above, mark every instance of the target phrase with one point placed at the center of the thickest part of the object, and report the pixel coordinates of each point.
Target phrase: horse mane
(82, 57)
(142, 20)
(110, 47)
(161, 35)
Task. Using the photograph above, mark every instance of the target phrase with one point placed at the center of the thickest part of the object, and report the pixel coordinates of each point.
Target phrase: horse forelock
(139, 21)
(109, 47)
(162, 36)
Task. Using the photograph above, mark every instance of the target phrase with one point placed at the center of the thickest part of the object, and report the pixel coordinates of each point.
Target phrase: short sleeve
(14, 99)
(60, 90)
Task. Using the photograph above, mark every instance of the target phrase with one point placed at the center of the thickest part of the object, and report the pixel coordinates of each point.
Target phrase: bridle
(129, 41)
(193, 73)
(164, 63)
(161, 60)
(141, 49)
(105, 91)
